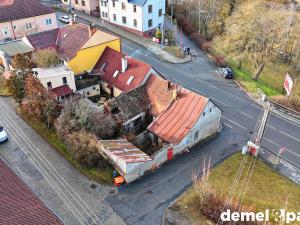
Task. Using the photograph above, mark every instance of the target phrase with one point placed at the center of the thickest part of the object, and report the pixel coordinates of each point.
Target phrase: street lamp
(180, 37)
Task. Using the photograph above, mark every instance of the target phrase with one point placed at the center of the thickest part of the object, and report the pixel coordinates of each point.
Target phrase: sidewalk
(154, 48)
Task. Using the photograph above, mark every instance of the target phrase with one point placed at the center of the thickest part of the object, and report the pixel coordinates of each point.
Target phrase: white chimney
(124, 64)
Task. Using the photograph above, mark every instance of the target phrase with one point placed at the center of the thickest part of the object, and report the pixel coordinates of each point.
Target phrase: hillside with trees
(259, 40)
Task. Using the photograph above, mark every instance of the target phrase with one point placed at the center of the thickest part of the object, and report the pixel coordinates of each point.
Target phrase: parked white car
(64, 19)
(3, 135)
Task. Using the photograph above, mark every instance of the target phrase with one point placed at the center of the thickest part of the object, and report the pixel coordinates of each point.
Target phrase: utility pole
(163, 31)
(254, 144)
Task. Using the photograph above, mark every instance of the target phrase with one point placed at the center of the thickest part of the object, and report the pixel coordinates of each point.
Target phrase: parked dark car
(226, 72)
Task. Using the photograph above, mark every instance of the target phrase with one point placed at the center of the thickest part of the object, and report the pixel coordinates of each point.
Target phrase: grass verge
(3, 89)
(100, 176)
(173, 50)
(244, 78)
(267, 189)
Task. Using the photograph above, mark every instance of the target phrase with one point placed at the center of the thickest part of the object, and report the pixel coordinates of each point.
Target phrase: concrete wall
(141, 15)
(89, 6)
(90, 91)
(156, 19)
(57, 80)
(128, 13)
(207, 125)
(17, 28)
(116, 91)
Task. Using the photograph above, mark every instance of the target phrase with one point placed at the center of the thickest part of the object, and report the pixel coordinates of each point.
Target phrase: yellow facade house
(81, 46)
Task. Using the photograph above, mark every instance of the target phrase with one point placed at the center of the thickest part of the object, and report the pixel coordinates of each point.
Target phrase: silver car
(3, 135)
(64, 19)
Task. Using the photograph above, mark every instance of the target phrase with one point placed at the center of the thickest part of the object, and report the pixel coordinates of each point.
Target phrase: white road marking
(290, 136)
(274, 143)
(268, 125)
(235, 123)
(213, 86)
(216, 100)
(245, 114)
(228, 125)
(197, 91)
(288, 150)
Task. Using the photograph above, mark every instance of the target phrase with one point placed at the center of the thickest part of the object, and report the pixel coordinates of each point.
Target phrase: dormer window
(130, 80)
(116, 74)
(103, 66)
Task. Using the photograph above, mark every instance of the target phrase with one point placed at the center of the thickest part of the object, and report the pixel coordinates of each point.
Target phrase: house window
(160, 12)
(134, 8)
(64, 79)
(124, 21)
(114, 4)
(48, 21)
(135, 23)
(28, 26)
(83, 3)
(150, 23)
(5, 31)
(149, 8)
(123, 6)
(115, 17)
(49, 85)
(130, 80)
(196, 135)
(76, 2)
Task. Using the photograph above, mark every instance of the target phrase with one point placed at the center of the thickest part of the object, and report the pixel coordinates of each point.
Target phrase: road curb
(138, 42)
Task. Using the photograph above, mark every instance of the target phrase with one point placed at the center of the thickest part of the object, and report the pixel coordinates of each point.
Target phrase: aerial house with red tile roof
(180, 120)
(120, 73)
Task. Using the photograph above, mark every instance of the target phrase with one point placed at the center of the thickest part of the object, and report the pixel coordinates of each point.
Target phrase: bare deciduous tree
(257, 31)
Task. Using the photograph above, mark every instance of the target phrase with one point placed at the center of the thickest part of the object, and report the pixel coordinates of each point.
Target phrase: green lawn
(3, 89)
(267, 190)
(100, 176)
(173, 50)
(271, 79)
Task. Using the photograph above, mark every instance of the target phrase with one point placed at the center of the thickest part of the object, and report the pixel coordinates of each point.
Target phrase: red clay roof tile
(18, 204)
(20, 9)
(70, 39)
(43, 39)
(62, 90)
(176, 122)
(160, 93)
(113, 62)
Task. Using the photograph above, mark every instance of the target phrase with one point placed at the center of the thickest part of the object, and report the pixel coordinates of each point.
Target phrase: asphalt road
(143, 201)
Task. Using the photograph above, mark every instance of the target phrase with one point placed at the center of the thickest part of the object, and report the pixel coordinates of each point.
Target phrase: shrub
(85, 149)
(207, 46)
(45, 57)
(219, 60)
(198, 39)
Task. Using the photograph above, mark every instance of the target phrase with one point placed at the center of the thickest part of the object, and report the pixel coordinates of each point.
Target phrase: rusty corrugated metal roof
(175, 123)
(125, 151)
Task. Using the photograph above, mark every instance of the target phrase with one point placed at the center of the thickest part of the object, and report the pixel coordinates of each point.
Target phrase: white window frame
(48, 21)
(28, 26)
(5, 32)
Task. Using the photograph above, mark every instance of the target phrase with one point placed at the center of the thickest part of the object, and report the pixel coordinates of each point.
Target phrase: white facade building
(53, 77)
(142, 17)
